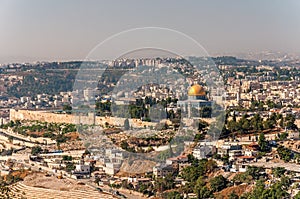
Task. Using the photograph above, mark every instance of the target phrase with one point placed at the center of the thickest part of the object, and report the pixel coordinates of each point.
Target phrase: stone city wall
(51, 117)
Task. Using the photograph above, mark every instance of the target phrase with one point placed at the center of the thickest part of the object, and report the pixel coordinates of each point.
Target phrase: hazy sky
(70, 29)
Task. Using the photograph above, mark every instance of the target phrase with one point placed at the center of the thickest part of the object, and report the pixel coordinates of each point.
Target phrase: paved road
(22, 138)
(287, 166)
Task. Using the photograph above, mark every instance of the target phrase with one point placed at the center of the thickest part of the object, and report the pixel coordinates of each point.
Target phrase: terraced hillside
(20, 190)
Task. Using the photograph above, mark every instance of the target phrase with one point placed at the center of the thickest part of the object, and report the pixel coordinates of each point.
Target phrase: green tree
(233, 195)
(263, 144)
(67, 158)
(269, 124)
(232, 126)
(290, 122)
(258, 190)
(70, 166)
(277, 190)
(283, 136)
(202, 125)
(218, 183)
(193, 172)
(245, 125)
(124, 145)
(284, 153)
(173, 195)
(67, 108)
(242, 178)
(36, 150)
(278, 171)
(254, 172)
(297, 196)
(201, 190)
(10, 139)
(162, 184)
(60, 138)
(126, 124)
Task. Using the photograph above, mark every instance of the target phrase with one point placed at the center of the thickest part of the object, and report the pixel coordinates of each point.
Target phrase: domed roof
(196, 90)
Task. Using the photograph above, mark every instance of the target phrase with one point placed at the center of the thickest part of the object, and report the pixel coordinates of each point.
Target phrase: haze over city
(68, 30)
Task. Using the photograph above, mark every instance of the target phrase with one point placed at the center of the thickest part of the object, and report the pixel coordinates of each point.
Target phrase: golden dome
(196, 90)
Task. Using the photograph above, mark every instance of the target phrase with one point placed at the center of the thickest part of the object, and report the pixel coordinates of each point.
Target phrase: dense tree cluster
(67, 108)
(263, 143)
(277, 191)
(285, 153)
(36, 129)
(140, 109)
(218, 183)
(252, 173)
(36, 150)
(196, 176)
(42, 81)
(256, 123)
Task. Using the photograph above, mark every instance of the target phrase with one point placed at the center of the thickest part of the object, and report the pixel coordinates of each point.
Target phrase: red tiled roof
(253, 144)
(246, 157)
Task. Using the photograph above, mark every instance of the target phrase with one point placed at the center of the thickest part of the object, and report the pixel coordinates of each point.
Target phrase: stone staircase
(18, 189)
